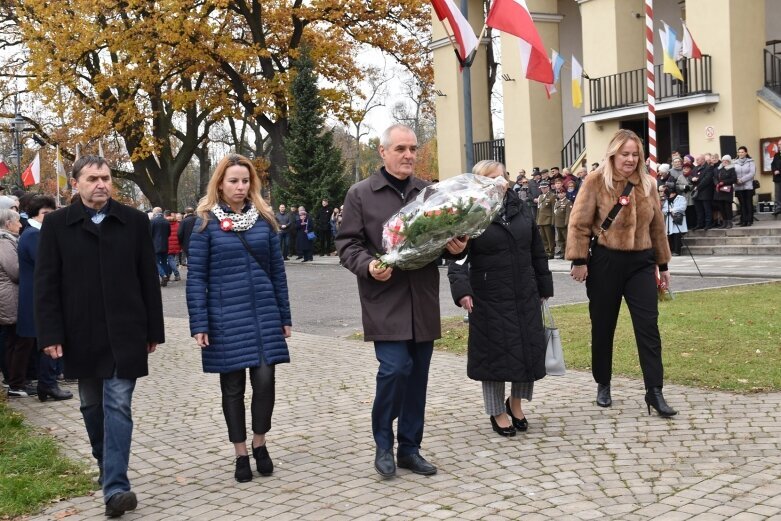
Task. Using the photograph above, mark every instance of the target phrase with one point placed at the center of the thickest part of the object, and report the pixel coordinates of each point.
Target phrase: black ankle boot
(654, 398)
(263, 460)
(603, 395)
(243, 472)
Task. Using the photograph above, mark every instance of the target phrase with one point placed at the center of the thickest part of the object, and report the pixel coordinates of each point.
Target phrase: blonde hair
(487, 165)
(213, 192)
(620, 139)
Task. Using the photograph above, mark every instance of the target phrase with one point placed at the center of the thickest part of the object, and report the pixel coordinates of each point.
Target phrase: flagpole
(450, 37)
(57, 174)
(650, 84)
(467, 80)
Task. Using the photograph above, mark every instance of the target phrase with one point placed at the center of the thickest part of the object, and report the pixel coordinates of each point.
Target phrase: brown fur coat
(639, 225)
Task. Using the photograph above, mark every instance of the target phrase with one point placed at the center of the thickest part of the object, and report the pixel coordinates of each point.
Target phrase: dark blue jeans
(163, 269)
(48, 369)
(284, 244)
(172, 268)
(402, 380)
(105, 406)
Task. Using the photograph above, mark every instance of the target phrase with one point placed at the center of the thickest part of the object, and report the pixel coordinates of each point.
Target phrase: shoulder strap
(247, 247)
(617, 208)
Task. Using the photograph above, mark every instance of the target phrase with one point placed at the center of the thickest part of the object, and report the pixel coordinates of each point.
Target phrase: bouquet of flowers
(664, 293)
(462, 206)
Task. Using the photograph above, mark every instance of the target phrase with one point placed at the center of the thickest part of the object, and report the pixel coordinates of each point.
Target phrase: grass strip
(33, 471)
(725, 339)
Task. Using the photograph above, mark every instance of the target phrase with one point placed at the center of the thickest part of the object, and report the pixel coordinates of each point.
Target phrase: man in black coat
(284, 222)
(185, 230)
(323, 227)
(98, 306)
(161, 230)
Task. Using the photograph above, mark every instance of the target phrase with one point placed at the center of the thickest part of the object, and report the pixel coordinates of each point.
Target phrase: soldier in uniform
(561, 211)
(545, 203)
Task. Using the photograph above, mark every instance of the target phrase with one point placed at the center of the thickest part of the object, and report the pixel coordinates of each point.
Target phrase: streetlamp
(17, 127)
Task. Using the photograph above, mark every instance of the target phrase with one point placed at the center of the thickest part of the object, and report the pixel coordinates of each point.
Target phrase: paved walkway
(751, 266)
(719, 459)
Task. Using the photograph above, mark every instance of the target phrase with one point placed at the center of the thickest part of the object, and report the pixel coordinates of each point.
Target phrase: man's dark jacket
(323, 218)
(184, 232)
(406, 306)
(97, 291)
(775, 166)
(161, 230)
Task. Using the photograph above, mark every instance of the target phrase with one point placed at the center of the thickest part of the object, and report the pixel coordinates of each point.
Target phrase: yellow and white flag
(577, 79)
(62, 177)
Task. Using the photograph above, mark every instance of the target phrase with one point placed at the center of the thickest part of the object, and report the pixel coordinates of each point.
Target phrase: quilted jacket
(9, 278)
(241, 305)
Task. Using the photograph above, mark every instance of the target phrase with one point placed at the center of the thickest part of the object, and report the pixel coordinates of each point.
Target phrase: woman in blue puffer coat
(238, 302)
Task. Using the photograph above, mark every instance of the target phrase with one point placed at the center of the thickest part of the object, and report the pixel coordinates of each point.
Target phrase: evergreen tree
(316, 170)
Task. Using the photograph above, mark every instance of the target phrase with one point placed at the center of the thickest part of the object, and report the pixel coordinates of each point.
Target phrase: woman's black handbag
(678, 218)
(755, 184)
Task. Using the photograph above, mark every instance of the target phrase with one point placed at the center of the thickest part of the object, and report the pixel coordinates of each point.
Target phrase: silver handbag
(554, 354)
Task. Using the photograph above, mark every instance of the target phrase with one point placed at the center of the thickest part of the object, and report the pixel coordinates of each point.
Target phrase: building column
(449, 104)
(532, 122)
(613, 41)
(731, 33)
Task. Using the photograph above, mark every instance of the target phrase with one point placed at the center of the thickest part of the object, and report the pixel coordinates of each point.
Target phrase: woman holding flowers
(238, 302)
(501, 284)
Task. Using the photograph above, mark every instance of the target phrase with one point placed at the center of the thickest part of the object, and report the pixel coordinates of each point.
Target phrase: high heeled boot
(263, 460)
(654, 398)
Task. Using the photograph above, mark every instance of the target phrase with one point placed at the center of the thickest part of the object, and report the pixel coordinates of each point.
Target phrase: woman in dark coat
(304, 245)
(703, 193)
(725, 180)
(501, 284)
(238, 302)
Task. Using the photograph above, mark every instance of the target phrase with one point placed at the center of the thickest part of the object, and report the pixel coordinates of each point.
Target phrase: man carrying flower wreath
(400, 308)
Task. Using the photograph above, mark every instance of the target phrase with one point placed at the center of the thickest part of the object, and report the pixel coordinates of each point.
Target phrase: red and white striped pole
(650, 84)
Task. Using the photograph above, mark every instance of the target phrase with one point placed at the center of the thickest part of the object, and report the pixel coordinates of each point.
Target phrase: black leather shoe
(243, 472)
(53, 392)
(120, 503)
(520, 424)
(263, 460)
(603, 395)
(384, 464)
(502, 431)
(417, 464)
(654, 398)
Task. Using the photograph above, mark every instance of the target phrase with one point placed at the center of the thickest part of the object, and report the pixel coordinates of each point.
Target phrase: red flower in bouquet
(392, 232)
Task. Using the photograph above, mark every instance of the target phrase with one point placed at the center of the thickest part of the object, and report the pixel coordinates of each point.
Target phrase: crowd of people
(695, 193)
(301, 234)
(80, 296)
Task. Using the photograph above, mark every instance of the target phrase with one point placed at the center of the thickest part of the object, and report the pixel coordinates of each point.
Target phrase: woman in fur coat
(622, 262)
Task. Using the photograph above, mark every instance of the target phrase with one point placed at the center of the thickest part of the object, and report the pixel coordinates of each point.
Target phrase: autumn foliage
(155, 78)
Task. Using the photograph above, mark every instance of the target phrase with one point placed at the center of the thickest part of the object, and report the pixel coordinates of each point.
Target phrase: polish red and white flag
(689, 47)
(32, 174)
(513, 17)
(462, 30)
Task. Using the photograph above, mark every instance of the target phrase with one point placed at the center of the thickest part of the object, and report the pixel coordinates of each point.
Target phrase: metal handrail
(574, 147)
(772, 71)
(493, 150)
(629, 88)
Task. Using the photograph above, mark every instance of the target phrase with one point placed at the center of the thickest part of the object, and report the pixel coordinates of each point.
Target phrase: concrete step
(737, 231)
(749, 240)
(732, 250)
